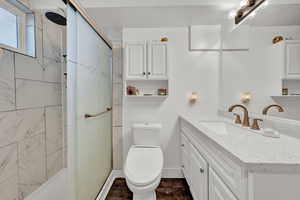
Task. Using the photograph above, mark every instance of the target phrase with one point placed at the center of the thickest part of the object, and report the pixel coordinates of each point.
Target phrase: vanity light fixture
(246, 97)
(194, 98)
(247, 8)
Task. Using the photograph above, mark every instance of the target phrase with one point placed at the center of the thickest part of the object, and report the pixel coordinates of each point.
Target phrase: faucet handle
(255, 125)
(237, 118)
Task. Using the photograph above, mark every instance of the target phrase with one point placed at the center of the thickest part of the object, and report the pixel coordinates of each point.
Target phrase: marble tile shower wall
(31, 136)
(117, 105)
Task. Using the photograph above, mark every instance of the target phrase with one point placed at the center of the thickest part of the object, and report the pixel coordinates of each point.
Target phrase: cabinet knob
(144, 73)
(149, 73)
(182, 166)
(201, 170)
(182, 145)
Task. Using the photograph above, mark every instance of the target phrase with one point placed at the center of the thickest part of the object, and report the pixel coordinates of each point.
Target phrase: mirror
(17, 25)
(260, 62)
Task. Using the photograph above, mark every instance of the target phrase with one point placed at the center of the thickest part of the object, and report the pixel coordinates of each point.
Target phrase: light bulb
(266, 3)
(243, 3)
(232, 14)
(252, 14)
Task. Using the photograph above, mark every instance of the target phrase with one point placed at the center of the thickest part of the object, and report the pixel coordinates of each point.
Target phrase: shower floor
(169, 189)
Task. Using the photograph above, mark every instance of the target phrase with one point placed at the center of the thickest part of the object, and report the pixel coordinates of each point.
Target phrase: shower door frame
(71, 152)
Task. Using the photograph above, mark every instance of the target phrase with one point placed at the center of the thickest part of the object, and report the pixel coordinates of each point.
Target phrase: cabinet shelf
(148, 96)
(296, 97)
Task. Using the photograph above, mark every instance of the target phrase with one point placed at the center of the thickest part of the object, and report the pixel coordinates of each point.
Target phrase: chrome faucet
(246, 121)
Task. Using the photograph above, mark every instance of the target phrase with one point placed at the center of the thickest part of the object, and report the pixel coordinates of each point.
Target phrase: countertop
(254, 150)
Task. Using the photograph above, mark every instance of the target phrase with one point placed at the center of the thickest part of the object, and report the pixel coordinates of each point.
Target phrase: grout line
(15, 80)
(48, 82)
(18, 171)
(45, 128)
(117, 126)
(30, 108)
(7, 145)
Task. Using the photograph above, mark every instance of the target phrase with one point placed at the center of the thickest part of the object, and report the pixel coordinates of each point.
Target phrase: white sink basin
(222, 128)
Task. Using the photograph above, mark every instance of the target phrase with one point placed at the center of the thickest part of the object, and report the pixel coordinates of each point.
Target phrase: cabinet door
(293, 59)
(217, 189)
(198, 175)
(158, 60)
(135, 60)
(185, 158)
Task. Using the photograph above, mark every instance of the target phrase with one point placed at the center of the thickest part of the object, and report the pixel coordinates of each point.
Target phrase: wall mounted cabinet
(286, 54)
(146, 60)
(146, 67)
(136, 60)
(157, 60)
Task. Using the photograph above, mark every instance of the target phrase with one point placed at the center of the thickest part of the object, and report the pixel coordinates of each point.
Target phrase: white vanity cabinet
(204, 183)
(286, 55)
(198, 175)
(217, 189)
(216, 171)
(146, 60)
(195, 169)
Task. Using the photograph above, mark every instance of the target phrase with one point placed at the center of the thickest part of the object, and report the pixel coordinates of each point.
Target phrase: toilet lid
(143, 164)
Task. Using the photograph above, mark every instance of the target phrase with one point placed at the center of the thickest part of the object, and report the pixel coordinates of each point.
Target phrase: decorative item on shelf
(131, 90)
(164, 39)
(194, 98)
(246, 97)
(162, 92)
(277, 39)
(285, 91)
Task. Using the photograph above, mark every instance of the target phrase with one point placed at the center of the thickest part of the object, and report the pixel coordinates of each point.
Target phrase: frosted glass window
(9, 28)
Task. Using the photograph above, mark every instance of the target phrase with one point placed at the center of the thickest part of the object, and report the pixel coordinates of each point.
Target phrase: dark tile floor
(169, 189)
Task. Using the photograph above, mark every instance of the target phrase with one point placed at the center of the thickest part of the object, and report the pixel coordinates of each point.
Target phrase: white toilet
(144, 162)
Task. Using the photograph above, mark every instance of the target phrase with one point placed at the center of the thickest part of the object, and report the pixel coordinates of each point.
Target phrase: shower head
(56, 18)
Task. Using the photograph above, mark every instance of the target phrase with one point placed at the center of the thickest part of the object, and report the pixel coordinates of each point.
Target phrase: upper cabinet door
(293, 59)
(135, 60)
(158, 60)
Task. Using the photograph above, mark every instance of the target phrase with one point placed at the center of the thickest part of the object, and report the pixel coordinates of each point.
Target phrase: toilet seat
(143, 165)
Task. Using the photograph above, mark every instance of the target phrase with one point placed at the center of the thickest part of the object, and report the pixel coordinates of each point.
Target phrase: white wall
(254, 71)
(190, 72)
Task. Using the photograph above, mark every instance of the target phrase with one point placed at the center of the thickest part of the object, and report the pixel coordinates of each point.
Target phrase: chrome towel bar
(96, 115)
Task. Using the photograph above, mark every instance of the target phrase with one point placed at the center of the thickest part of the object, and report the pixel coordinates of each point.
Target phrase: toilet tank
(146, 134)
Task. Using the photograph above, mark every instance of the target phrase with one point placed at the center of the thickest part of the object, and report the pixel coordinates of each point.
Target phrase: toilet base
(145, 196)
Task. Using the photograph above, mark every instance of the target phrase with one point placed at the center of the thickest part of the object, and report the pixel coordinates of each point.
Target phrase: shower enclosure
(89, 101)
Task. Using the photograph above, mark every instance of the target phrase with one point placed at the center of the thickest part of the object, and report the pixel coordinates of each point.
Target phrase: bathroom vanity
(222, 161)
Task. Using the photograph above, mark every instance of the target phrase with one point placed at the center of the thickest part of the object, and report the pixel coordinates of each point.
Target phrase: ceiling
(151, 3)
(175, 16)
(113, 15)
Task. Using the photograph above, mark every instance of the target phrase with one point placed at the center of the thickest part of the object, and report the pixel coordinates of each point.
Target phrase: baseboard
(113, 175)
(172, 173)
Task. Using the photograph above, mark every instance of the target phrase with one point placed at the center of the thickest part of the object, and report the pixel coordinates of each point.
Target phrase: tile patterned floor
(169, 189)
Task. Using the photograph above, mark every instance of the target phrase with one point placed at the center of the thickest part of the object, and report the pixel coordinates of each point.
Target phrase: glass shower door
(90, 63)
